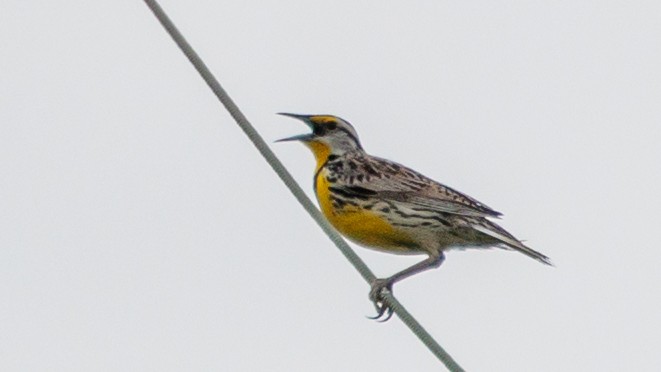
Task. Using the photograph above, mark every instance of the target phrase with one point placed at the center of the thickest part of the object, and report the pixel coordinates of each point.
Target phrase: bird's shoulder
(392, 181)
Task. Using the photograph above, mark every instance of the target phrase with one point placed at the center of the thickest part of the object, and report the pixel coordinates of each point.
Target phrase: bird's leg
(378, 285)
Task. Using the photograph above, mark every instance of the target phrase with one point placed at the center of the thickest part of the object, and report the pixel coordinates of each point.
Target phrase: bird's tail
(497, 232)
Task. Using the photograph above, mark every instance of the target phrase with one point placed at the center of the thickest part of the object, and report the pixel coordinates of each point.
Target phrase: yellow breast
(363, 226)
(360, 225)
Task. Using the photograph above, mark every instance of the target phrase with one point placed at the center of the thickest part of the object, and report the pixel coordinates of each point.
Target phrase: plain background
(141, 231)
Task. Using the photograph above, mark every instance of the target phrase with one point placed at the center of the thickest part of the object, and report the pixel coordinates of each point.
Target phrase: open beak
(301, 137)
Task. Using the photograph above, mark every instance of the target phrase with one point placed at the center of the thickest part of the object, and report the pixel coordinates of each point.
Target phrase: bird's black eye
(331, 126)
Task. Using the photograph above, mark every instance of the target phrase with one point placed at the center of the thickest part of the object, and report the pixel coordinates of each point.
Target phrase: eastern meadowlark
(386, 206)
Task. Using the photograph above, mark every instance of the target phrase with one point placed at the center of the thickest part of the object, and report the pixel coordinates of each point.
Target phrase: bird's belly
(366, 227)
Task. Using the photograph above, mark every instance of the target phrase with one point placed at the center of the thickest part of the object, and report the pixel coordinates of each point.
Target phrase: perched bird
(386, 206)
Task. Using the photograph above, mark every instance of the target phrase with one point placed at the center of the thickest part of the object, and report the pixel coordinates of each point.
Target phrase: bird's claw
(376, 296)
(382, 310)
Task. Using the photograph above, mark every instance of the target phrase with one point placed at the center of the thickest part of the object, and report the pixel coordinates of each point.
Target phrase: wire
(295, 189)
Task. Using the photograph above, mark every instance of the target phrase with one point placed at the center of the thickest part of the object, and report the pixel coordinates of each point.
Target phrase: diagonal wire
(295, 189)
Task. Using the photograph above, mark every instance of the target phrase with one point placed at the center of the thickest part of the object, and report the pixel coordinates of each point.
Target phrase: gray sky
(140, 230)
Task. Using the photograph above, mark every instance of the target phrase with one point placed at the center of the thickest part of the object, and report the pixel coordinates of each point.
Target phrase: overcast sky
(141, 231)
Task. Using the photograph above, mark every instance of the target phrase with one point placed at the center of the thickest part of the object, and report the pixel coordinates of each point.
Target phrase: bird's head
(330, 135)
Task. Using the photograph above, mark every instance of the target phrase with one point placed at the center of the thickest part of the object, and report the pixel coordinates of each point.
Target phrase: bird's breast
(353, 218)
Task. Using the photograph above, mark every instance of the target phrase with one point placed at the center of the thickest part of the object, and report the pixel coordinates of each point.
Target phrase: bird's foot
(383, 311)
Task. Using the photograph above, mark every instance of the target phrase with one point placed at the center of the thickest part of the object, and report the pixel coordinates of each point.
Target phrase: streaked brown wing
(391, 181)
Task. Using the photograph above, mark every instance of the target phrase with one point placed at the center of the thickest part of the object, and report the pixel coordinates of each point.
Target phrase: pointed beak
(305, 118)
(301, 137)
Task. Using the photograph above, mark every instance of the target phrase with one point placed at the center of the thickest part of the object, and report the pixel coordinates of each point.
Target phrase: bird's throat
(320, 151)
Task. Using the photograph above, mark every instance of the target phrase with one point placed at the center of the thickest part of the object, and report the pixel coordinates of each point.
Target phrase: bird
(386, 206)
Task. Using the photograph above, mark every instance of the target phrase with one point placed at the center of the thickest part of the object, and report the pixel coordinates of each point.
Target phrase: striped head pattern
(330, 135)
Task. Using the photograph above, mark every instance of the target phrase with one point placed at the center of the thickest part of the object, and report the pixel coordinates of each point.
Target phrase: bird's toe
(383, 310)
